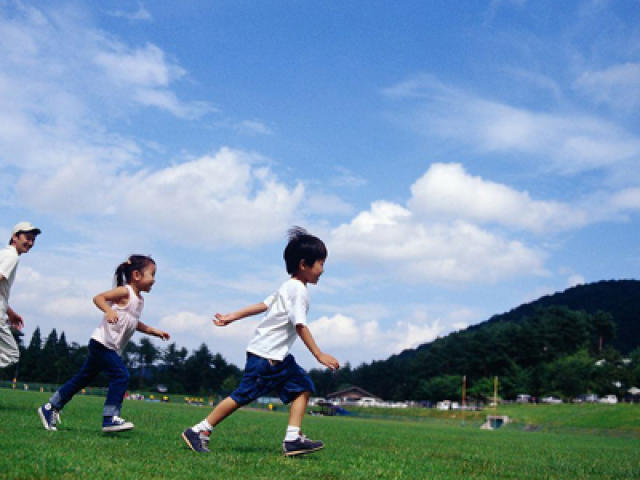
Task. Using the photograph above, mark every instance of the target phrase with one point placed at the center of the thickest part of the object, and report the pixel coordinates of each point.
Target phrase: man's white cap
(25, 227)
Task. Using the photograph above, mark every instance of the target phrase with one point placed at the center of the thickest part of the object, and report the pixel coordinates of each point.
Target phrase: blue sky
(458, 159)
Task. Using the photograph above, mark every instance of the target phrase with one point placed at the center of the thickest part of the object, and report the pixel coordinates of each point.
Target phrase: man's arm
(14, 318)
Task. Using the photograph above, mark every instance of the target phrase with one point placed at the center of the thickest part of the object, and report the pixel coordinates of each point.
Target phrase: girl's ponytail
(126, 268)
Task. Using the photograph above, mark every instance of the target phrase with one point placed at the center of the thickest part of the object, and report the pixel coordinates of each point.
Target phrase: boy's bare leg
(225, 408)
(298, 408)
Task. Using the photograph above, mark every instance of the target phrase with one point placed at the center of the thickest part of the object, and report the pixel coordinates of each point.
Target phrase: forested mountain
(620, 298)
(546, 346)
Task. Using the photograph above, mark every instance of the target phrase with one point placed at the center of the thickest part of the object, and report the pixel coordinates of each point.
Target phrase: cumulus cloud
(223, 197)
(219, 196)
(447, 190)
(572, 142)
(391, 237)
(344, 335)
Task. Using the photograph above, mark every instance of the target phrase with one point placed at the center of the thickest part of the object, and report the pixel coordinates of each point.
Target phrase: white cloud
(617, 86)
(145, 67)
(346, 178)
(253, 127)
(575, 280)
(628, 199)
(222, 197)
(320, 203)
(53, 58)
(217, 199)
(446, 190)
(388, 236)
(141, 14)
(185, 322)
(347, 338)
(572, 143)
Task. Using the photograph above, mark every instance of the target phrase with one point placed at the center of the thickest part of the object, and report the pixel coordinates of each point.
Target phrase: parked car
(611, 399)
(551, 399)
(523, 398)
(586, 398)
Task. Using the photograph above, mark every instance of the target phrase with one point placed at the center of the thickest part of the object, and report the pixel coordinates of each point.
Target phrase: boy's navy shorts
(261, 377)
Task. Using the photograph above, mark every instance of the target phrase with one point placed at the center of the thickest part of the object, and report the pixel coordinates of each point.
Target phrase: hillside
(620, 298)
(546, 346)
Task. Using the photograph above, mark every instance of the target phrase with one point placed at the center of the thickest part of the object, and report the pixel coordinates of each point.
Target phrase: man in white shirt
(23, 236)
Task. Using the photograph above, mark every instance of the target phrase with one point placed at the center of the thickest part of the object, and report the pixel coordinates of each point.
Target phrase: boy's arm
(225, 319)
(324, 358)
(144, 328)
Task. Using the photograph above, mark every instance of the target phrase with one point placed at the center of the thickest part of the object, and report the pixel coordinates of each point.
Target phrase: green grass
(247, 446)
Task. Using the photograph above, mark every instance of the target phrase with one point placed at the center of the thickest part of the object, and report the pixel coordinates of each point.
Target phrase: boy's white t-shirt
(286, 308)
(115, 336)
(8, 265)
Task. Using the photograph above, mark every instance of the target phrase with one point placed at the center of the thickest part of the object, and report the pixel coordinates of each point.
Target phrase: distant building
(353, 394)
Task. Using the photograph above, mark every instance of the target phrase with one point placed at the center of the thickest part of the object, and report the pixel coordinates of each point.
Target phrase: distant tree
(148, 353)
(634, 366)
(172, 368)
(482, 389)
(570, 375)
(197, 367)
(30, 361)
(446, 387)
(47, 365)
(605, 329)
(229, 384)
(62, 367)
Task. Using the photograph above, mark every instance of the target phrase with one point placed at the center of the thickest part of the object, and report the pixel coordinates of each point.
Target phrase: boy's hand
(221, 319)
(328, 361)
(164, 335)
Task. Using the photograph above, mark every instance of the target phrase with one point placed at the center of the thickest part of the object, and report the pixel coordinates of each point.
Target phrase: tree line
(541, 348)
(54, 360)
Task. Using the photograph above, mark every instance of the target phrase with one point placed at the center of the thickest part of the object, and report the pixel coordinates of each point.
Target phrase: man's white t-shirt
(286, 308)
(8, 266)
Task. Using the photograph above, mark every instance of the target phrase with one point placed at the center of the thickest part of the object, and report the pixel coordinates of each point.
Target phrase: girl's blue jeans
(100, 359)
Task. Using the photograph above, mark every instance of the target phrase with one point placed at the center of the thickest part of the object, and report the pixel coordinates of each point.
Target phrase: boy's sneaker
(301, 446)
(115, 424)
(197, 441)
(49, 416)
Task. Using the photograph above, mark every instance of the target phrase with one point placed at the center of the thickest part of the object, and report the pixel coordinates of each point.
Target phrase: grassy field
(247, 445)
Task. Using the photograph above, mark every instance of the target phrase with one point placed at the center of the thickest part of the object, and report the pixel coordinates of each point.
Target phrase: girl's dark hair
(125, 269)
(302, 246)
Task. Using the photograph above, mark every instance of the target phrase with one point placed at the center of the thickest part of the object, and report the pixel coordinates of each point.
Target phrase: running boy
(23, 236)
(122, 307)
(269, 364)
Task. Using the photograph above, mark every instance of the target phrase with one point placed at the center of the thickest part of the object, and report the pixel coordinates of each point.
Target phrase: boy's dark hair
(302, 246)
(125, 269)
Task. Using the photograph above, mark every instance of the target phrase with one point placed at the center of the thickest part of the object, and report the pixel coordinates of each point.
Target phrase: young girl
(122, 307)
(269, 364)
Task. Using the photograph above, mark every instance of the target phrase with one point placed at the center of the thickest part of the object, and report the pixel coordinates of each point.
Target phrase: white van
(611, 399)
